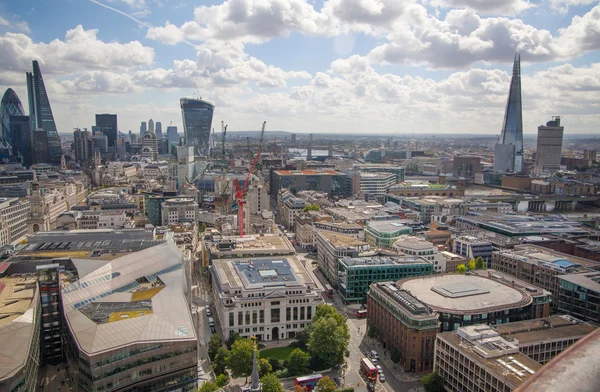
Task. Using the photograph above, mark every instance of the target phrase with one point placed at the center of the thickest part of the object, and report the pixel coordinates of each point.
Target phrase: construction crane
(240, 190)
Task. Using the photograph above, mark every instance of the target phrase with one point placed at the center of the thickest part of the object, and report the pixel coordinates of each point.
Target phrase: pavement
(201, 299)
(54, 378)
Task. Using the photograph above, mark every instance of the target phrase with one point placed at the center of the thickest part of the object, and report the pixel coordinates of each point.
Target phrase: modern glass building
(197, 121)
(40, 112)
(107, 124)
(508, 154)
(9, 106)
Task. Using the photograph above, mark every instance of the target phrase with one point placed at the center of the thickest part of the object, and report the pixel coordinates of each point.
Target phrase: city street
(201, 298)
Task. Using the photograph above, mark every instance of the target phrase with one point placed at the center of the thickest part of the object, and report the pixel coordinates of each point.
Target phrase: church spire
(255, 378)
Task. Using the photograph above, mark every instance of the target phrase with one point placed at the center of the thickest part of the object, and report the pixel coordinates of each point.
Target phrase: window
(254, 317)
(231, 319)
(240, 318)
(247, 318)
(261, 316)
(295, 313)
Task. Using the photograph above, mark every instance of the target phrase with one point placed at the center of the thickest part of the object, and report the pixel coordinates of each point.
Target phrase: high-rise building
(9, 106)
(40, 115)
(143, 128)
(549, 146)
(172, 134)
(158, 130)
(83, 146)
(508, 153)
(107, 124)
(197, 120)
(151, 125)
(40, 146)
(21, 139)
(150, 145)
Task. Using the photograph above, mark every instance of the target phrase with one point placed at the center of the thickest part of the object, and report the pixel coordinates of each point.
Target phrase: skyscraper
(21, 139)
(107, 124)
(172, 135)
(549, 146)
(508, 153)
(40, 115)
(151, 125)
(197, 120)
(9, 106)
(143, 128)
(158, 130)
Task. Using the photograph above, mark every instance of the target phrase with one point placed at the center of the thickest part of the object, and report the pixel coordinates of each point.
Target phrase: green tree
(395, 354)
(302, 337)
(461, 269)
(208, 386)
(203, 228)
(479, 262)
(328, 342)
(312, 207)
(222, 380)
(372, 331)
(264, 367)
(270, 383)
(232, 338)
(472, 265)
(433, 382)
(326, 311)
(297, 363)
(240, 358)
(213, 345)
(298, 388)
(219, 365)
(326, 384)
(276, 364)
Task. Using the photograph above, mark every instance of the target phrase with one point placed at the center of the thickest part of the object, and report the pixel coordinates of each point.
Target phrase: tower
(549, 146)
(255, 384)
(197, 122)
(151, 125)
(10, 106)
(150, 145)
(508, 152)
(143, 128)
(107, 124)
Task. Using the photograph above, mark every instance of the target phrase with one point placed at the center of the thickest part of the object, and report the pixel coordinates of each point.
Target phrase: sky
(336, 66)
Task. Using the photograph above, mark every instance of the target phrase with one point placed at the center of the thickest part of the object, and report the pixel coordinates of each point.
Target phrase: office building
(51, 348)
(545, 338)
(417, 246)
(508, 153)
(356, 274)
(403, 324)
(40, 146)
(332, 182)
(40, 115)
(257, 199)
(466, 166)
(14, 213)
(9, 106)
(107, 124)
(158, 130)
(589, 156)
(472, 247)
(130, 328)
(20, 325)
(178, 210)
(384, 233)
(549, 146)
(376, 184)
(399, 171)
(172, 134)
(143, 128)
(151, 125)
(331, 247)
(22, 144)
(268, 297)
(197, 122)
(83, 146)
(150, 146)
(579, 295)
(477, 359)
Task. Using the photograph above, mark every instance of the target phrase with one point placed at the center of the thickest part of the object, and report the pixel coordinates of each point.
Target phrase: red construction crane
(240, 190)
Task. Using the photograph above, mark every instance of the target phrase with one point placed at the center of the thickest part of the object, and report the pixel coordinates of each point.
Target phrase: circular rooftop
(465, 293)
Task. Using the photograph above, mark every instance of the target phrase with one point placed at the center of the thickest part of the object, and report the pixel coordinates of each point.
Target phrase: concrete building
(303, 227)
(271, 298)
(408, 189)
(289, 207)
(549, 146)
(376, 184)
(331, 247)
(257, 199)
(403, 324)
(45, 208)
(150, 145)
(178, 210)
(472, 248)
(14, 212)
(477, 359)
(545, 338)
(579, 295)
(330, 181)
(348, 229)
(466, 166)
(218, 247)
(417, 246)
(384, 233)
(356, 274)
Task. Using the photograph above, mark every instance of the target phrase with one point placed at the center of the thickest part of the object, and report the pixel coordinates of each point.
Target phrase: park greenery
(472, 265)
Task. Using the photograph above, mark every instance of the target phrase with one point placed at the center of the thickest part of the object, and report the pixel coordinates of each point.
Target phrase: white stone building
(417, 246)
(14, 212)
(178, 210)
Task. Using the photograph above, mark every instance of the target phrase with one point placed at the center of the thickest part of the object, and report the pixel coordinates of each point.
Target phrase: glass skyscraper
(197, 120)
(9, 106)
(508, 154)
(107, 124)
(40, 114)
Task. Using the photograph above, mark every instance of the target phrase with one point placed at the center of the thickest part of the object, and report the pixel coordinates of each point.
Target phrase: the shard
(508, 153)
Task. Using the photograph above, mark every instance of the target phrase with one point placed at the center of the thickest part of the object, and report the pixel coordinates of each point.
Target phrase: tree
(472, 265)
(276, 364)
(222, 380)
(240, 358)
(203, 228)
(479, 262)
(297, 363)
(299, 388)
(270, 383)
(312, 207)
(208, 386)
(219, 365)
(461, 269)
(213, 345)
(372, 331)
(232, 338)
(302, 337)
(264, 367)
(433, 382)
(395, 354)
(328, 342)
(326, 384)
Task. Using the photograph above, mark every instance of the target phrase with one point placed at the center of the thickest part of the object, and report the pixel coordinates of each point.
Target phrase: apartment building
(14, 214)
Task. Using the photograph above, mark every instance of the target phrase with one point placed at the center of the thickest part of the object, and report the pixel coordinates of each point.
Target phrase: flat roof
(306, 172)
(340, 240)
(548, 328)
(389, 226)
(464, 293)
(536, 254)
(249, 244)
(589, 280)
(383, 260)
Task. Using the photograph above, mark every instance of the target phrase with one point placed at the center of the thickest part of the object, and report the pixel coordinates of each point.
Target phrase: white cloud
(563, 5)
(95, 82)
(142, 13)
(169, 34)
(487, 7)
(4, 22)
(584, 32)
(81, 49)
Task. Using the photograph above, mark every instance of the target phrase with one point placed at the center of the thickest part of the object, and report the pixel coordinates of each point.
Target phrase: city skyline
(383, 66)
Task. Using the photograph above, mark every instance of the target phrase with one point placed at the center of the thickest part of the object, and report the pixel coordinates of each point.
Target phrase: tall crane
(240, 190)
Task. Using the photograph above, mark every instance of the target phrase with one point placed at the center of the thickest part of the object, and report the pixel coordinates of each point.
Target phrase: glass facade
(9, 106)
(107, 124)
(197, 121)
(512, 127)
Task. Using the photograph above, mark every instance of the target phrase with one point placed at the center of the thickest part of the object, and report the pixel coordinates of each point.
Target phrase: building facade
(331, 247)
(549, 146)
(10, 106)
(417, 246)
(332, 182)
(178, 210)
(579, 295)
(376, 184)
(149, 146)
(472, 248)
(15, 212)
(197, 123)
(107, 124)
(384, 233)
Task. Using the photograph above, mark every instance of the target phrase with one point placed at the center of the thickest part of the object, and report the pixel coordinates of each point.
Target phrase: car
(371, 387)
(374, 354)
(379, 369)
(381, 377)
(213, 330)
(211, 322)
(208, 312)
(374, 361)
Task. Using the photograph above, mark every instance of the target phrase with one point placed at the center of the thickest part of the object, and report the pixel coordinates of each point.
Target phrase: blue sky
(323, 66)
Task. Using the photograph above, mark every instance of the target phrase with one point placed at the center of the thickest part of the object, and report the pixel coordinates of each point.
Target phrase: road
(201, 298)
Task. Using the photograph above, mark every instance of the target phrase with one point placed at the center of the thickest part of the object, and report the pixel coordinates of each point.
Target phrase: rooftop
(388, 226)
(307, 172)
(342, 241)
(383, 260)
(228, 246)
(523, 225)
(412, 242)
(548, 328)
(464, 293)
(407, 301)
(535, 254)
(589, 280)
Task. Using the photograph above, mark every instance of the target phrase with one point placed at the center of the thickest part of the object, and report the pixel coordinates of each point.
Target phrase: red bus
(328, 291)
(368, 369)
(361, 313)
(308, 382)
